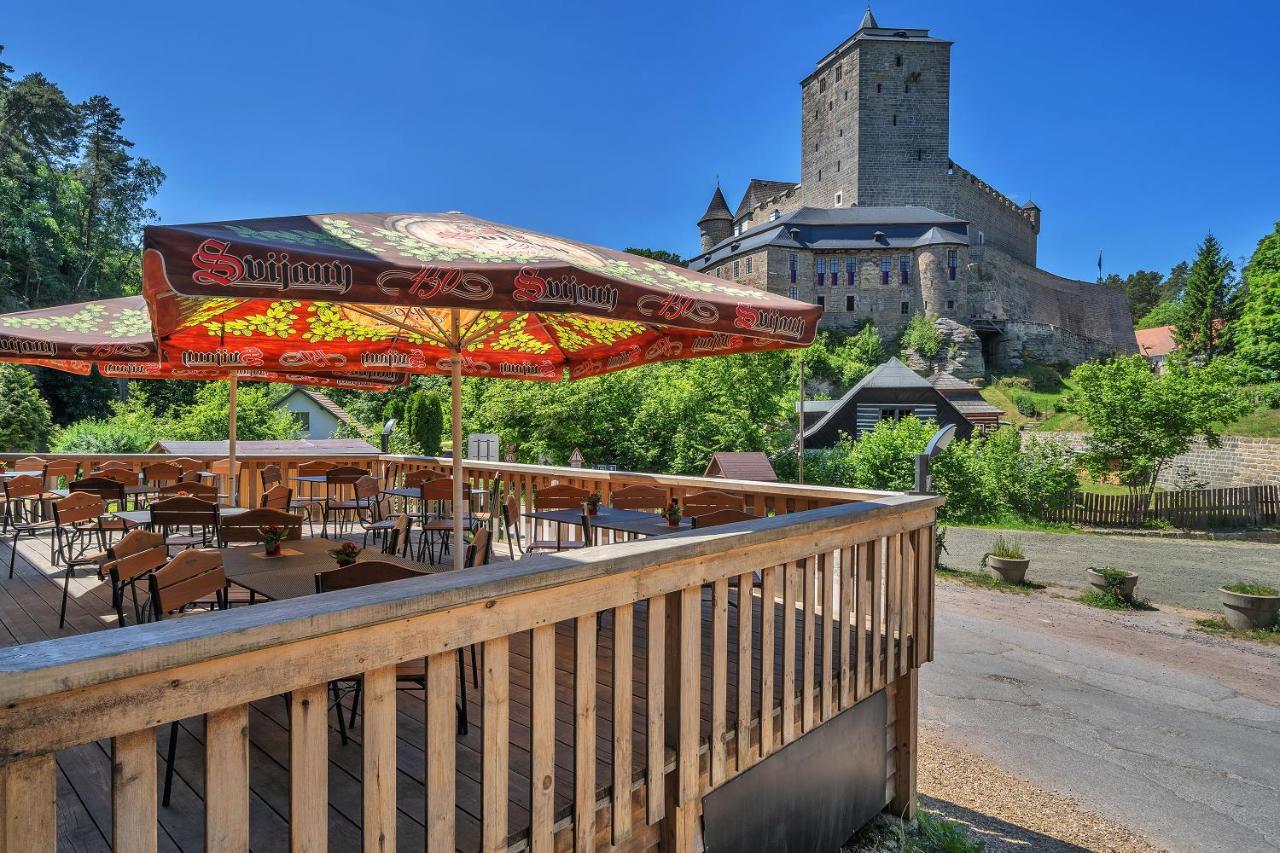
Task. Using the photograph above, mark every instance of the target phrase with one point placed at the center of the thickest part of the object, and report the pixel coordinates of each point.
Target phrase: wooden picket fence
(1246, 506)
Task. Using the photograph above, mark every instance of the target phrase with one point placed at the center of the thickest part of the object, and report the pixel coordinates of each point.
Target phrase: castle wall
(1240, 461)
(994, 220)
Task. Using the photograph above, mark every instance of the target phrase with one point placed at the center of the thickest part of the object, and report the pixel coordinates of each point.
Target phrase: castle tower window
(830, 106)
(952, 263)
(895, 119)
(906, 88)
(819, 174)
(839, 198)
(822, 302)
(846, 94)
(951, 305)
(906, 308)
(792, 293)
(850, 303)
(820, 267)
(793, 260)
(736, 270)
(904, 268)
(884, 270)
(822, 85)
(748, 266)
(919, 153)
(897, 60)
(838, 169)
(839, 73)
(879, 88)
(850, 269)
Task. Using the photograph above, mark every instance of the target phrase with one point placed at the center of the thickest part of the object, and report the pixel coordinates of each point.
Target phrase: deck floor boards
(29, 604)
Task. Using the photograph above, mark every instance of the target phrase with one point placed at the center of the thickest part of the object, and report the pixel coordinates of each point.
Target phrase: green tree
(1168, 313)
(1257, 332)
(257, 416)
(1143, 288)
(1206, 303)
(922, 336)
(424, 422)
(1138, 421)
(24, 415)
(657, 254)
(165, 398)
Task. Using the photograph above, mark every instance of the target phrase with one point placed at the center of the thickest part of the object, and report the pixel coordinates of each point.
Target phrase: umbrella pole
(232, 479)
(459, 551)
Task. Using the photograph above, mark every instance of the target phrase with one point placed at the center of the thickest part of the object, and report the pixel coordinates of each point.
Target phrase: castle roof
(759, 191)
(868, 20)
(844, 229)
(717, 209)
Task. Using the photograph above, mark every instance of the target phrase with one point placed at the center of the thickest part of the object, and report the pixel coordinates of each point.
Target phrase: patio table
(294, 575)
(9, 475)
(143, 516)
(608, 518)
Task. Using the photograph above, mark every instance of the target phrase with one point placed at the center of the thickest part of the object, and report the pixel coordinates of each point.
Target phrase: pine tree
(1257, 332)
(1206, 303)
(24, 415)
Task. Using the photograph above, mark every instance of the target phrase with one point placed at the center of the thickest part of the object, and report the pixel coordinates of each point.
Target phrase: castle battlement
(1031, 213)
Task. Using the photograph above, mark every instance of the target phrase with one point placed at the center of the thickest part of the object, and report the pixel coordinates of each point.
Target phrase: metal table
(294, 575)
(9, 475)
(143, 516)
(607, 518)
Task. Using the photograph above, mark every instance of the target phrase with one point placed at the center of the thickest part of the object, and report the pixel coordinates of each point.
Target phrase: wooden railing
(851, 584)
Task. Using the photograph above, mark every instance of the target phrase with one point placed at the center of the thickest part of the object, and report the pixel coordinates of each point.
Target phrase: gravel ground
(1183, 572)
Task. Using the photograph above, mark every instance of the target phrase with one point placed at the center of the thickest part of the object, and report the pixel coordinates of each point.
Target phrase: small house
(1155, 346)
(967, 398)
(890, 392)
(316, 414)
(751, 465)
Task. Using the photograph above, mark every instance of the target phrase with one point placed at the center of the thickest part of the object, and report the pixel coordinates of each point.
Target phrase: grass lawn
(1107, 488)
(1260, 423)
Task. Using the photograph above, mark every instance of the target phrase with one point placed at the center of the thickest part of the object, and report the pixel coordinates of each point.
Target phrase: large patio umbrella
(441, 293)
(115, 336)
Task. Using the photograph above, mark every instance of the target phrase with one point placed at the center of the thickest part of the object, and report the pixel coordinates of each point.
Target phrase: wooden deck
(29, 604)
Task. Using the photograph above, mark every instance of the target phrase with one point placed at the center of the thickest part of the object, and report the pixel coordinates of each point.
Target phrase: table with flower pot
(628, 521)
(293, 573)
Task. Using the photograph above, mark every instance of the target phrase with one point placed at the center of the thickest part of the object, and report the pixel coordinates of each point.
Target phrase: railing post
(28, 805)
(904, 699)
(682, 695)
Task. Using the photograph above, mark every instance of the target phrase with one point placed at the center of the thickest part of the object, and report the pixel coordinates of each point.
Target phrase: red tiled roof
(1156, 342)
(741, 466)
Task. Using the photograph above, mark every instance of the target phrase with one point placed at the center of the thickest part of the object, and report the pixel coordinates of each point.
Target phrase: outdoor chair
(126, 477)
(23, 497)
(223, 474)
(721, 516)
(75, 520)
(65, 470)
(559, 496)
(128, 562)
(30, 463)
(278, 497)
(189, 579)
(336, 480)
(112, 465)
(398, 533)
(511, 524)
(362, 507)
(437, 527)
(307, 500)
(161, 473)
(112, 494)
(271, 475)
(247, 527)
(410, 675)
(701, 503)
(639, 497)
(191, 468)
(188, 512)
(486, 515)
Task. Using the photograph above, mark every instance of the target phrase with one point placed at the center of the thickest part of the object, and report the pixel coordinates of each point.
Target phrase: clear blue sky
(1137, 127)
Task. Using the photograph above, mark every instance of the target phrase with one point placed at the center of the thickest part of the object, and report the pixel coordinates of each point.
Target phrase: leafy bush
(1247, 588)
(25, 421)
(1269, 396)
(1044, 378)
(1026, 406)
(922, 336)
(131, 428)
(257, 418)
(1013, 383)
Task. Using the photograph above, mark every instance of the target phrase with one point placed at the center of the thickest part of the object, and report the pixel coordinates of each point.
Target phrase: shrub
(424, 422)
(25, 421)
(1269, 396)
(1026, 406)
(1247, 588)
(922, 336)
(132, 428)
(1013, 383)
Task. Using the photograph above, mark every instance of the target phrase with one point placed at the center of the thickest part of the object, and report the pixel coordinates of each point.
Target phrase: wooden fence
(1247, 506)
(850, 582)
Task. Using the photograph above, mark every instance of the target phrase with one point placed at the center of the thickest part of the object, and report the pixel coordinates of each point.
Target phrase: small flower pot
(592, 510)
(1098, 582)
(273, 550)
(673, 522)
(1007, 570)
(1249, 612)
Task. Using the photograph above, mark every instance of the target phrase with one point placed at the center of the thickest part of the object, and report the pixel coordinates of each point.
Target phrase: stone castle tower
(884, 224)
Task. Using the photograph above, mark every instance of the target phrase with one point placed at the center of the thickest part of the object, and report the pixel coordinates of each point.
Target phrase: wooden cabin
(967, 398)
(750, 465)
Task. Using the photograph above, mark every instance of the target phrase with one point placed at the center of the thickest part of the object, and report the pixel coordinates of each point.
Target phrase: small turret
(716, 224)
(1032, 211)
(868, 21)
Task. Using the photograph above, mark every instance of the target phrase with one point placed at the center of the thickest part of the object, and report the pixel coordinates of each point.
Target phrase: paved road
(1175, 734)
(1185, 572)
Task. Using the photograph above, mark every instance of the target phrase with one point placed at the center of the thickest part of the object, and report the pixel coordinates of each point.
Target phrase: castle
(884, 224)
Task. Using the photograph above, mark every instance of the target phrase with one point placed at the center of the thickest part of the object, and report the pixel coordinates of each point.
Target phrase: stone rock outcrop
(960, 355)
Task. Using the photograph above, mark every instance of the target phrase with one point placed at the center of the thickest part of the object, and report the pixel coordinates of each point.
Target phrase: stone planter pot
(1098, 582)
(1249, 612)
(1009, 571)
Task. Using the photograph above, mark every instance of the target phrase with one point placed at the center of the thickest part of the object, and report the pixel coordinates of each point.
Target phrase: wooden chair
(75, 518)
(721, 516)
(161, 473)
(278, 497)
(559, 496)
(246, 527)
(188, 512)
(191, 489)
(416, 478)
(271, 475)
(479, 549)
(362, 507)
(60, 469)
(191, 468)
(438, 526)
(410, 675)
(112, 494)
(701, 503)
(30, 463)
(639, 497)
(511, 525)
(397, 537)
(23, 497)
(336, 479)
(488, 512)
(188, 579)
(123, 476)
(221, 470)
(128, 562)
(307, 500)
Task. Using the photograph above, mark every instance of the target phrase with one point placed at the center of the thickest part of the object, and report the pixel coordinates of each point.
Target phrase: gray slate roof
(758, 190)
(844, 228)
(717, 209)
(892, 374)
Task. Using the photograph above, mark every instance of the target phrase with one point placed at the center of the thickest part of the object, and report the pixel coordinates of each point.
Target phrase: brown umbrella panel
(115, 336)
(379, 291)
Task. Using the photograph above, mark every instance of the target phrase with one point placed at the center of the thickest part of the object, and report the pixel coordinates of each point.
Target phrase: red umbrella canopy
(378, 291)
(115, 335)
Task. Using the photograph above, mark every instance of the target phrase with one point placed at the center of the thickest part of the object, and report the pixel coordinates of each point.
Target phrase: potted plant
(1250, 606)
(272, 536)
(592, 503)
(1119, 582)
(345, 554)
(1006, 560)
(3, 467)
(672, 513)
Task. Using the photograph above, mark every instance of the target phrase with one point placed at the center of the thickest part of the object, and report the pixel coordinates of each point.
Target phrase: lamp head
(940, 440)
